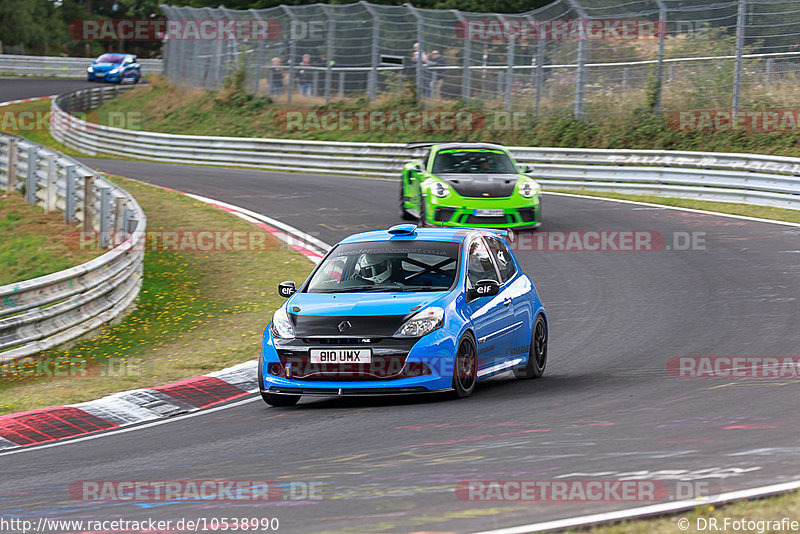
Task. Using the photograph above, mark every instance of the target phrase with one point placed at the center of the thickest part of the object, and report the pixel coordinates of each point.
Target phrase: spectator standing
(276, 77)
(432, 76)
(305, 76)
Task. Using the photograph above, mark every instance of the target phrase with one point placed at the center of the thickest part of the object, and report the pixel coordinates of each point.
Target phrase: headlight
(90, 69)
(440, 189)
(281, 326)
(114, 70)
(422, 323)
(529, 189)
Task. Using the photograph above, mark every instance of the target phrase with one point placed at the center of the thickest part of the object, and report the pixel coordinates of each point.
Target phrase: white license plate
(489, 213)
(100, 74)
(341, 355)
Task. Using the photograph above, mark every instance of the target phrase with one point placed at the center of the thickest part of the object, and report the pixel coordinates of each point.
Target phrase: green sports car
(469, 184)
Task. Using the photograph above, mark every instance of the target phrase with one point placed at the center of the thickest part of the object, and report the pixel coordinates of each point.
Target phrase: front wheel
(537, 354)
(404, 214)
(423, 214)
(280, 400)
(465, 371)
(271, 398)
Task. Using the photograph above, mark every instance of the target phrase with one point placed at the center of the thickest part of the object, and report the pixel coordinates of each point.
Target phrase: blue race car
(114, 68)
(405, 310)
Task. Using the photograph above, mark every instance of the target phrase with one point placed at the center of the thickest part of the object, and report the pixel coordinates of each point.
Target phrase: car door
(411, 190)
(515, 288)
(492, 317)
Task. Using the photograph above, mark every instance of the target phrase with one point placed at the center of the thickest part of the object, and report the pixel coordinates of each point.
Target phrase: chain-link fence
(571, 56)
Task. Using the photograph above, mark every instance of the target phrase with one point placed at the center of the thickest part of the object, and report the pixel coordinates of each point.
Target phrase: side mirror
(417, 166)
(484, 288)
(527, 169)
(287, 289)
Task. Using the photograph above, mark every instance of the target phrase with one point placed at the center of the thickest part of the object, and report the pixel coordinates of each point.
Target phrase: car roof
(409, 232)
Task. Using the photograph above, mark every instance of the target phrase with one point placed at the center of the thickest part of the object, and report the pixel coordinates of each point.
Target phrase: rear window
(381, 266)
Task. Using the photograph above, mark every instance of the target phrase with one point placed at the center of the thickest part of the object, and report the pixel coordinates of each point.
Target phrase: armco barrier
(743, 178)
(50, 310)
(65, 67)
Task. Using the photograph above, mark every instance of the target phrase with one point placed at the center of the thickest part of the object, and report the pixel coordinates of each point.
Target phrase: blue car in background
(114, 68)
(405, 310)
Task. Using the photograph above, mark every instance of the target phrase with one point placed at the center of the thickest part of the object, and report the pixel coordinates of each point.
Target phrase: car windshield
(110, 58)
(386, 267)
(473, 161)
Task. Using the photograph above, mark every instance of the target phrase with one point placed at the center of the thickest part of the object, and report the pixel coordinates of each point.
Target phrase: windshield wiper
(366, 289)
(386, 289)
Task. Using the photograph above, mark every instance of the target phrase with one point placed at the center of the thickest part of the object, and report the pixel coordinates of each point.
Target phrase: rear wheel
(537, 354)
(404, 214)
(465, 371)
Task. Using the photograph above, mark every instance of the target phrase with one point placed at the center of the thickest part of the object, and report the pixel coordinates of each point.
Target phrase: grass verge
(197, 312)
(232, 111)
(31, 120)
(767, 509)
(35, 243)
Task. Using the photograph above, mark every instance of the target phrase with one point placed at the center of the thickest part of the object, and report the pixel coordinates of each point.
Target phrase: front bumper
(517, 212)
(353, 392)
(424, 365)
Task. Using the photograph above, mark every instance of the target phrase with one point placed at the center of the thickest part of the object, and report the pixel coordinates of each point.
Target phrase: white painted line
(307, 238)
(655, 509)
(12, 102)
(106, 433)
(677, 208)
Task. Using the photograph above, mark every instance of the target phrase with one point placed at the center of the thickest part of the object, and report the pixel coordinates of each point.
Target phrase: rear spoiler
(420, 144)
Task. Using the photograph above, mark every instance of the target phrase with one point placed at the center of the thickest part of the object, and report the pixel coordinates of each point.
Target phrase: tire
(280, 400)
(137, 78)
(465, 370)
(537, 354)
(404, 214)
(423, 215)
(271, 399)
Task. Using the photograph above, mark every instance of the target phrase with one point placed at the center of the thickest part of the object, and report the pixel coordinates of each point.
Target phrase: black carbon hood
(482, 185)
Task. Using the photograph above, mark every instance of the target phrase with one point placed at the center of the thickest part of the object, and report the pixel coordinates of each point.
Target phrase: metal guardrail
(66, 67)
(742, 178)
(44, 312)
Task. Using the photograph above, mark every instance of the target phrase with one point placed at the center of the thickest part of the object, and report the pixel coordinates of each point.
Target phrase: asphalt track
(606, 409)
